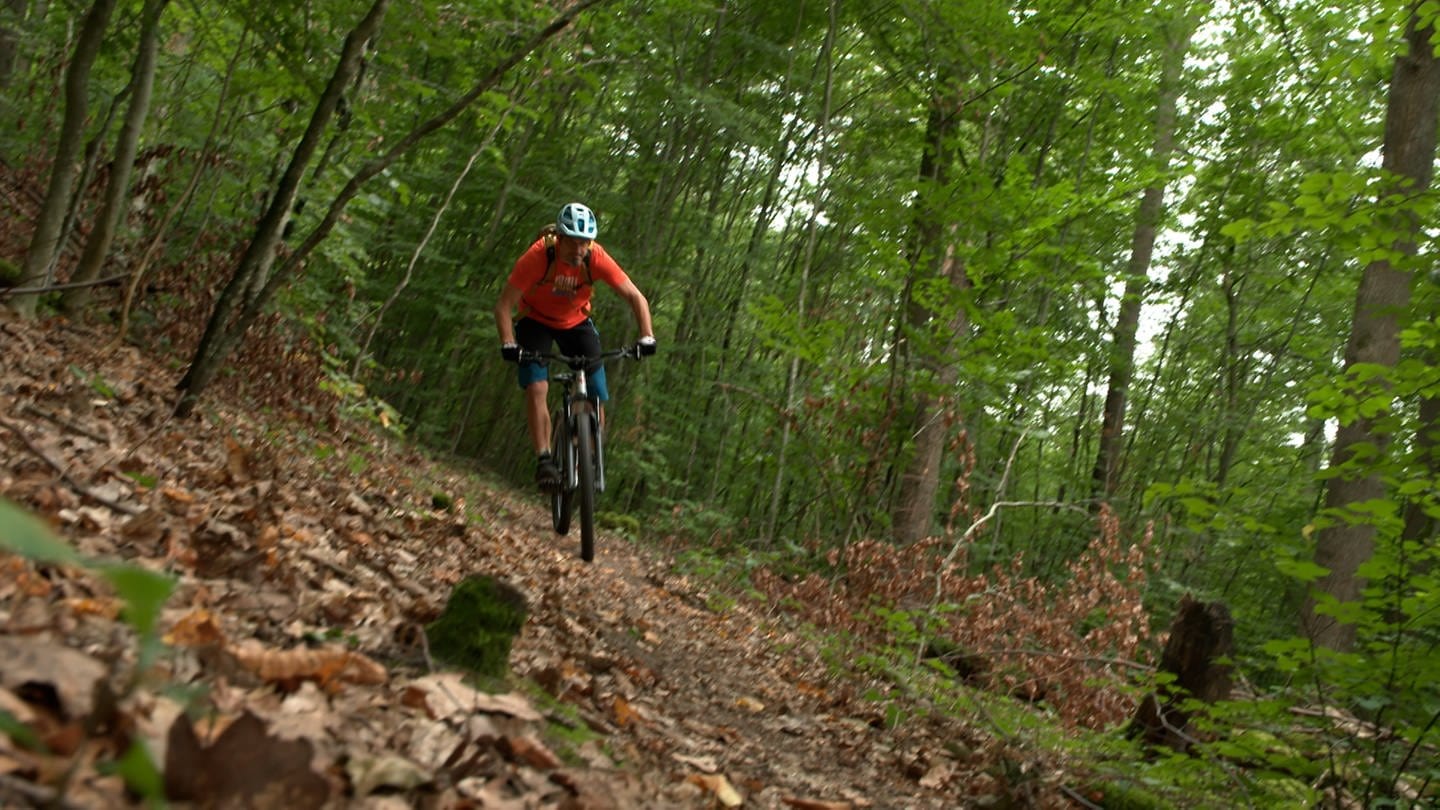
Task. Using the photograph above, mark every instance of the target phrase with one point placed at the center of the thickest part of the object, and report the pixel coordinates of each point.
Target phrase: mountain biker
(550, 286)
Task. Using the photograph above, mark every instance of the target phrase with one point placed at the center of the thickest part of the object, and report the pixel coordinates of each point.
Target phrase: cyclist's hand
(645, 347)
(511, 352)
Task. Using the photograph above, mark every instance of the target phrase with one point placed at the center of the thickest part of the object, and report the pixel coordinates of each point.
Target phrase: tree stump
(1201, 635)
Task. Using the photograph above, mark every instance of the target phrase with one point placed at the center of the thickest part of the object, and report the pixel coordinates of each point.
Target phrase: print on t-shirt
(566, 285)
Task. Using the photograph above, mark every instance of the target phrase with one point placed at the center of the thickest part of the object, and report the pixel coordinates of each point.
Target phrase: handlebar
(580, 361)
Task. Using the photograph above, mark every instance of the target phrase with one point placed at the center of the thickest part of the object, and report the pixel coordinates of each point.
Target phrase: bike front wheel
(562, 500)
(585, 467)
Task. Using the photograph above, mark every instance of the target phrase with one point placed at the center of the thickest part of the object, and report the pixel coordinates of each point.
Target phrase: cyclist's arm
(505, 312)
(638, 304)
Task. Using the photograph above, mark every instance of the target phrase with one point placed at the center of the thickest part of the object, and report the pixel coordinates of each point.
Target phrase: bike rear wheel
(562, 500)
(585, 467)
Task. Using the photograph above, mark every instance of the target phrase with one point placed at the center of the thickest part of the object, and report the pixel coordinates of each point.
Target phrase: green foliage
(137, 767)
(143, 594)
(1387, 682)
(480, 621)
(625, 525)
(96, 383)
(796, 362)
(22, 534)
(19, 732)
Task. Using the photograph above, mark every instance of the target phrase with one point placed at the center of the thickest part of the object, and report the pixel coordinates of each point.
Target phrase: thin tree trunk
(1382, 301)
(117, 194)
(156, 239)
(1105, 477)
(49, 227)
(1420, 527)
(912, 514)
(420, 247)
(792, 380)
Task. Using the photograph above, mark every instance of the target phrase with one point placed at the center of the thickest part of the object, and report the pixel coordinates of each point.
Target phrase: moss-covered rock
(478, 625)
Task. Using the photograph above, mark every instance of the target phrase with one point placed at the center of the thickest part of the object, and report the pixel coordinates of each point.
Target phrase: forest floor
(308, 558)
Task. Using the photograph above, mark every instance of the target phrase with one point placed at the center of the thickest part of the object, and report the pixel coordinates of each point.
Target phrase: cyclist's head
(578, 221)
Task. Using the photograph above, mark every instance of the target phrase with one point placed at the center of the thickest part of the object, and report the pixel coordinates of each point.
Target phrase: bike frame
(577, 407)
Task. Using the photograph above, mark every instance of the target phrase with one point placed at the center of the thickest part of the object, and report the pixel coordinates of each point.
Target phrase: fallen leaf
(445, 694)
(72, 674)
(725, 793)
(196, 628)
(369, 774)
(703, 764)
(529, 751)
(245, 767)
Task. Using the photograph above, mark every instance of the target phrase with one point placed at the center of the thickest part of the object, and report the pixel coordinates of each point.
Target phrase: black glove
(511, 352)
(645, 346)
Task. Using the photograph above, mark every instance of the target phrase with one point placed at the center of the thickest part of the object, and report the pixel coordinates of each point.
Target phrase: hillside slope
(307, 560)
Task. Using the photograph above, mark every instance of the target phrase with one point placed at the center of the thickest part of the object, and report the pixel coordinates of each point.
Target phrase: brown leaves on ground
(1071, 646)
(243, 767)
(294, 669)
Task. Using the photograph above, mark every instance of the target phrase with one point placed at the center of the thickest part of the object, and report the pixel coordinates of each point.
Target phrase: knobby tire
(585, 466)
(562, 500)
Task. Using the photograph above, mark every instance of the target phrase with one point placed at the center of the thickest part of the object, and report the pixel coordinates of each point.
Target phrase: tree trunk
(1142, 246)
(117, 194)
(45, 242)
(913, 512)
(1382, 301)
(792, 380)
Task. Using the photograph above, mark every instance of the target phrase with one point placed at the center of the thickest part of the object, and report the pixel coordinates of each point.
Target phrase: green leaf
(19, 732)
(1302, 570)
(1239, 230)
(143, 479)
(21, 533)
(144, 593)
(138, 770)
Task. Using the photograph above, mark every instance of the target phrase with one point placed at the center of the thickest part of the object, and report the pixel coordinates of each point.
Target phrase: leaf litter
(294, 671)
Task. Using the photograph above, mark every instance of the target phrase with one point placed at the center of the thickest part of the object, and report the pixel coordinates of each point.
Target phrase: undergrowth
(1048, 671)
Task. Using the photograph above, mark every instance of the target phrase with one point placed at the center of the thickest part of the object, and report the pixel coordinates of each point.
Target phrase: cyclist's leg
(534, 380)
(534, 336)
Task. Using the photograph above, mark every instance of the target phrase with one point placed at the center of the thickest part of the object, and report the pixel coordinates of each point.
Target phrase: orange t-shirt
(563, 301)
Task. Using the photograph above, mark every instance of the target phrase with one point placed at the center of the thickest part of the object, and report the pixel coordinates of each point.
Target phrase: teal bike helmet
(578, 221)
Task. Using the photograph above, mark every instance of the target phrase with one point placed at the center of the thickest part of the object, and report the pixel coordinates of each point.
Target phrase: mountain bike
(577, 443)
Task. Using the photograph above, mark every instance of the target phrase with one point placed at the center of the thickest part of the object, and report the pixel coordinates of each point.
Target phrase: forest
(1031, 321)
